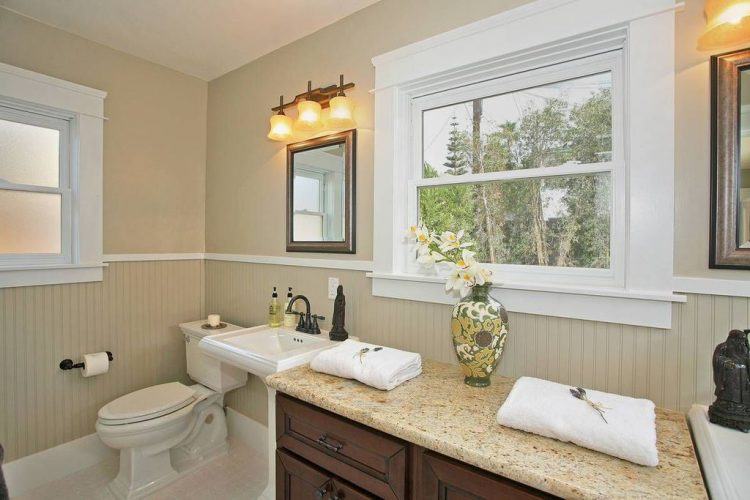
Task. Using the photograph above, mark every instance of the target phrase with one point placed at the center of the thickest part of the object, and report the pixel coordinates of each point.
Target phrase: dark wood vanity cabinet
(321, 455)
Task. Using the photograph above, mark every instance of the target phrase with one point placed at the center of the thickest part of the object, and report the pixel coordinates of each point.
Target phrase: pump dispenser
(290, 318)
(274, 310)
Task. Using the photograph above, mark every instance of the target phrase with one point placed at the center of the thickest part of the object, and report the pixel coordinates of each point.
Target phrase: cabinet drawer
(443, 478)
(365, 457)
(298, 480)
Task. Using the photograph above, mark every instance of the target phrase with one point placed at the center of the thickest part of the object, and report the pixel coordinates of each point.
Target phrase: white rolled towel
(549, 409)
(384, 368)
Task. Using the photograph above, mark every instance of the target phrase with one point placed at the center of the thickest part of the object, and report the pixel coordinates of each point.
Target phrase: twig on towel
(361, 353)
(580, 393)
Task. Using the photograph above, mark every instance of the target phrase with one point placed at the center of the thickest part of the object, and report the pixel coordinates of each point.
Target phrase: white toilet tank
(204, 369)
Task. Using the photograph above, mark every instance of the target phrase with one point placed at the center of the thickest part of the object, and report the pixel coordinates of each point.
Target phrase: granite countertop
(439, 412)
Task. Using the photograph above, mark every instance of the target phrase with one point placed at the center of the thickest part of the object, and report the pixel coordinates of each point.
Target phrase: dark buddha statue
(731, 364)
(338, 332)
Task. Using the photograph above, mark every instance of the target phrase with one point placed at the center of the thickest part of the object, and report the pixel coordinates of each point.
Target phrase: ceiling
(203, 38)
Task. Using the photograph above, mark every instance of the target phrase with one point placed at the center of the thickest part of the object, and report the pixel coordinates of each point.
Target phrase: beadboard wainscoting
(133, 312)
(671, 367)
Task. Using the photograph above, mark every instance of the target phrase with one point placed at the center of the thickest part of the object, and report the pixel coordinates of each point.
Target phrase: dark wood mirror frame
(349, 139)
(724, 250)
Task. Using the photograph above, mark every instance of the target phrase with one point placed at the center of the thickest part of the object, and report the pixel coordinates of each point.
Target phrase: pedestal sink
(263, 350)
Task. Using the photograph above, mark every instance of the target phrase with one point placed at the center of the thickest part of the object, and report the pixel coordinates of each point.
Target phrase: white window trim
(533, 36)
(83, 107)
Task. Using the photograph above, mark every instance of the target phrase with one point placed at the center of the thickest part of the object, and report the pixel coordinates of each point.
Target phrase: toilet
(165, 430)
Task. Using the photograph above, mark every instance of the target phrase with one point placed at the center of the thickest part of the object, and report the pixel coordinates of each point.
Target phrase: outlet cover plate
(333, 284)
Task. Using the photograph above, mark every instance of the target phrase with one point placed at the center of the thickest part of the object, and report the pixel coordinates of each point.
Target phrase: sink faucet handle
(301, 326)
(314, 328)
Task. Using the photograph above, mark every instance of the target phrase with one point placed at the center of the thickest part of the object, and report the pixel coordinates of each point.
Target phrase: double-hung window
(546, 134)
(529, 166)
(51, 162)
(35, 192)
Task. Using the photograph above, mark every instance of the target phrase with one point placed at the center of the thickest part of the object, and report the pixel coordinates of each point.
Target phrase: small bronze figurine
(732, 378)
(338, 332)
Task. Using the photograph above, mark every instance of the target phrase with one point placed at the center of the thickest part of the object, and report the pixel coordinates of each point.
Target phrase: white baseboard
(32, 471)
(250, 432)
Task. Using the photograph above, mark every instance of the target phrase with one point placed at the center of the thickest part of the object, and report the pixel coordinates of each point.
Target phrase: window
(34, 188)
(51, 148)
(527, 166)
(309, 203)
(551, 143)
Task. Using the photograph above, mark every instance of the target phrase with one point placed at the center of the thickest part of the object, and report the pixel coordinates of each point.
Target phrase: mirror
(320, 194)
(730, 161)
(743, 205)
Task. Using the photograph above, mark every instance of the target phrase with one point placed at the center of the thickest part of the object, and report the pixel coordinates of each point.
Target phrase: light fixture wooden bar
(321, 95)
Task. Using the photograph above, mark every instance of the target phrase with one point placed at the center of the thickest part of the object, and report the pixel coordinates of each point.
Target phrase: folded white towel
(383, 369)
(549, 409)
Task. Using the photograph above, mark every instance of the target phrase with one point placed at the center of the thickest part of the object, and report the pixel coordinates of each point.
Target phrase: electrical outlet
(333, 284)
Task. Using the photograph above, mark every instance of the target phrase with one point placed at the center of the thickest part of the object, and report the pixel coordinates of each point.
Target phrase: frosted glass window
(29, 154)
(308, 227)
(30, 222)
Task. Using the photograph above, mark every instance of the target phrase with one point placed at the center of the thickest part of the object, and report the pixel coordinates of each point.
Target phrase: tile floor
(241, 474)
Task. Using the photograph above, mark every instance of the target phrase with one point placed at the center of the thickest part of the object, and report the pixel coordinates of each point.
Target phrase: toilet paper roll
(95, 364)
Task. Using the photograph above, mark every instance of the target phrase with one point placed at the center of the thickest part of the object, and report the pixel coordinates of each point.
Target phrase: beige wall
(154, 141)
(133, 313)
(692, 149)
(245, 214)
(245, 202)
(670, 367)
(154, 192)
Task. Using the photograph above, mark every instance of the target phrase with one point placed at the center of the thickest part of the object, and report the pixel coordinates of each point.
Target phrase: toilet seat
(148, 404)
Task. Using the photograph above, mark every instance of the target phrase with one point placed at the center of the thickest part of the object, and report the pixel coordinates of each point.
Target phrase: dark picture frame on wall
(344, 239)
(729, 247)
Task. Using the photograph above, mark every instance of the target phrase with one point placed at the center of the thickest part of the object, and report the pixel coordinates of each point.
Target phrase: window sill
(630, 307)
(49, 274)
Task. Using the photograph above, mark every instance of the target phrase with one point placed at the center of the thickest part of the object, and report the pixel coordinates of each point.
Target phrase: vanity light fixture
(341, 110)
(308, 113)
(324, 108)
(281, 124)
(728, 23)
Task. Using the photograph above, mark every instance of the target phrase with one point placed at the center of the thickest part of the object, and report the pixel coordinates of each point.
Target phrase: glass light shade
(728, 24)
(308, 119)
(342, 113)
(281, 128)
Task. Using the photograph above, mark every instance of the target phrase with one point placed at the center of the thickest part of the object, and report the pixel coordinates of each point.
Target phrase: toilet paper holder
(67, 364)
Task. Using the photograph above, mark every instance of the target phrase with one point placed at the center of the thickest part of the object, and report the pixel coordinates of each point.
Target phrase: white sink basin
(263, 350)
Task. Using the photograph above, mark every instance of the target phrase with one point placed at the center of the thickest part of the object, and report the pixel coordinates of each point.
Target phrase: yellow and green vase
(479, 326)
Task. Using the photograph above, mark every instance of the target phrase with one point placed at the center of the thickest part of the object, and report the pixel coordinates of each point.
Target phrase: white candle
(214, 320)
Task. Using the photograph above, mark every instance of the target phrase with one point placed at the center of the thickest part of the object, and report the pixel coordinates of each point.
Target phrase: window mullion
(508, 175)
(12, 186)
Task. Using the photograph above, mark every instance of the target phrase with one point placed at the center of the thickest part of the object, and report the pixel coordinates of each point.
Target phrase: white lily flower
(450, 240)
(454, 282)
(429, 259)
(467, 259)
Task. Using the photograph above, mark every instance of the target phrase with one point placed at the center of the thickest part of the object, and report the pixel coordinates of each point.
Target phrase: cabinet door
(297, 480)
(447, 479)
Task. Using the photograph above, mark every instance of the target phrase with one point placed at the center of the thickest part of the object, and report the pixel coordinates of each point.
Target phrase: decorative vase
(479, 326)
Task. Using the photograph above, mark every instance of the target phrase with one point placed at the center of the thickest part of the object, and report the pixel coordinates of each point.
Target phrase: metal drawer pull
(323, 441)
(321, 492)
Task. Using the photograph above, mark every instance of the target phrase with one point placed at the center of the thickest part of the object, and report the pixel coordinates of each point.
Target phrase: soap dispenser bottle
(274, 310)
(290, 318)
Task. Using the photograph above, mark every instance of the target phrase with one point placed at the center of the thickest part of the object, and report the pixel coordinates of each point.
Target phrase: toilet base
(142, 472)
(160, 474)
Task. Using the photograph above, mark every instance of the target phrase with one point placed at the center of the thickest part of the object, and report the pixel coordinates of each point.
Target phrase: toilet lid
(144, 403)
